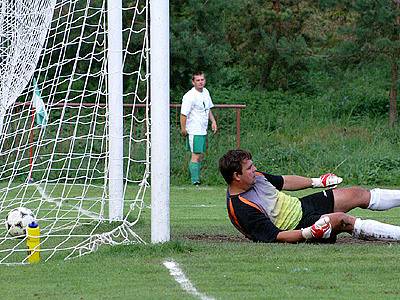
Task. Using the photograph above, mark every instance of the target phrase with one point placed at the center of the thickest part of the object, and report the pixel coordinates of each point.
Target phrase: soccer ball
(17, 220)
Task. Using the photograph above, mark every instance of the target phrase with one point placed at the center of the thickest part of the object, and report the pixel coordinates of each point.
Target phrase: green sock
(194, 169)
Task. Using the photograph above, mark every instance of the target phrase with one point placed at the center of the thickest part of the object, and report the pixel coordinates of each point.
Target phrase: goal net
(74, 140)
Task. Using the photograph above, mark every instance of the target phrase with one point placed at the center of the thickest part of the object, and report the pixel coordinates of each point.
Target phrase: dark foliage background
(316, 76)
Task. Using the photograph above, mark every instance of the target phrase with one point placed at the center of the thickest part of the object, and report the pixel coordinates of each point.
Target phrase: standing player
(260, 211)
(195, 113)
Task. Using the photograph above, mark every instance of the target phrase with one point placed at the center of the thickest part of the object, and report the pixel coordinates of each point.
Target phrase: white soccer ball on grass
(18, 219)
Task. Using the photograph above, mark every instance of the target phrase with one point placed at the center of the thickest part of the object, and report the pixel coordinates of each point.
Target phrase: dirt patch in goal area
(350, 240)
(238, 239)
(215, 238)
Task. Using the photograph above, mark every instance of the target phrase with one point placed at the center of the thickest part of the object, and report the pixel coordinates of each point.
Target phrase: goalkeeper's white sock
(374, 230)
(382, 199)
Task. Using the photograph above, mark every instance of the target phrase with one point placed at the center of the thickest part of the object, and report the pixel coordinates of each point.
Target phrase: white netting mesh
(60, 170)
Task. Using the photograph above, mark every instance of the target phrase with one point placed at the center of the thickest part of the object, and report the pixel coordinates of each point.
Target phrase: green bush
(341, 127)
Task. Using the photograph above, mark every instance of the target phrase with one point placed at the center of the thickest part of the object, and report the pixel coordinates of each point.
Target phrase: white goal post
(84, 122)
(160, 142)
(115, 91)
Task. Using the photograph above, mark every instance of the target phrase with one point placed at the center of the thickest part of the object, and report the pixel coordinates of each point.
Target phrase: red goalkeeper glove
(326, 180)
(322, 229)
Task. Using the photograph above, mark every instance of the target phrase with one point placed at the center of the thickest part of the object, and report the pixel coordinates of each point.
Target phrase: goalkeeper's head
(231, 162)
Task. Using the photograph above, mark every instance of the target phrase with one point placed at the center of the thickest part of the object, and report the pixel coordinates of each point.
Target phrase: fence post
(237, 128)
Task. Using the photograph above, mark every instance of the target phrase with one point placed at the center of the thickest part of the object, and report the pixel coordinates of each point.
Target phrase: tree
(374, 33)
(268, 40)
(197, 39)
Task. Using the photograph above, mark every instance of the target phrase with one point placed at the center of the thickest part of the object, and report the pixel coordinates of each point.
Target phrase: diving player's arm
(294, 182)
(322, 229)
(290, 236)
(288, 182)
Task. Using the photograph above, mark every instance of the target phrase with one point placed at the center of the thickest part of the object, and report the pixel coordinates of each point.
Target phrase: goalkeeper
(260, 211)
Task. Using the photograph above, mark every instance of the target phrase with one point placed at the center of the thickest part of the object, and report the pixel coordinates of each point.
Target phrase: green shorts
(196, 143)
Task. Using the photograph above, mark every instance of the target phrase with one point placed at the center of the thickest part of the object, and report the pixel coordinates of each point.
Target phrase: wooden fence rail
(237, 107)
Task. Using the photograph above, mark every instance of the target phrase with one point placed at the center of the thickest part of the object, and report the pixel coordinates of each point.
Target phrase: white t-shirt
(196, 107)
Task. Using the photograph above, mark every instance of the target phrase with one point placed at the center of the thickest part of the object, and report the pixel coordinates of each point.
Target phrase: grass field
(218, 262)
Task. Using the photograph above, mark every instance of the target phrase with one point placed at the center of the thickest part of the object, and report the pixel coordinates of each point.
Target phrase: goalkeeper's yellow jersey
(263, 210)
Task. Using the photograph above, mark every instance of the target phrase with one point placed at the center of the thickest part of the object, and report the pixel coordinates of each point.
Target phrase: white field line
(180, 277)
(59, 204)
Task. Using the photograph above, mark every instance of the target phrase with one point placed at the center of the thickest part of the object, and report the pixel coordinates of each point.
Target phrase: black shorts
(314, 206)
